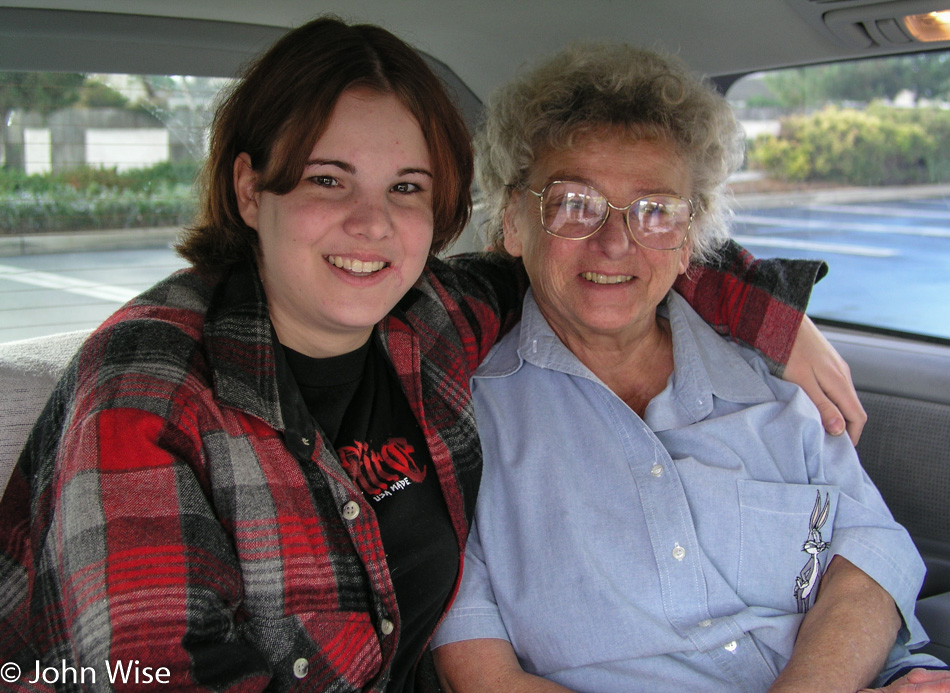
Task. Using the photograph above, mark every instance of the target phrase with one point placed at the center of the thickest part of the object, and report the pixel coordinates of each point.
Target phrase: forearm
(487, 666)
(819, 370)
(845, 638)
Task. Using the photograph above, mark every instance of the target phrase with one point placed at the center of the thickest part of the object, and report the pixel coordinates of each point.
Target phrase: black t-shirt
(357, 401)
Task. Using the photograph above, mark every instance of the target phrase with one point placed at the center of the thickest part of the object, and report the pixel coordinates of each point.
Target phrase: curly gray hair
(592, 86)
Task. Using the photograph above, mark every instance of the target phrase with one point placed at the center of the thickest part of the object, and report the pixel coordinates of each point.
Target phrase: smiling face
(339, 250)
(605, 285)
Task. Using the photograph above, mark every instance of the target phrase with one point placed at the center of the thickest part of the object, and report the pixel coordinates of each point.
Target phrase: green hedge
(878, 146)
(93, 198)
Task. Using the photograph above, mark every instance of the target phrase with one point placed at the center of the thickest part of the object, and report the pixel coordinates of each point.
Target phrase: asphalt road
(60, 292)
(889, 262)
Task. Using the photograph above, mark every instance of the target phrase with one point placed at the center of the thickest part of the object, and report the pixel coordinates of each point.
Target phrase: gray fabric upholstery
(934, 615)
(29, 369)
(905, 449)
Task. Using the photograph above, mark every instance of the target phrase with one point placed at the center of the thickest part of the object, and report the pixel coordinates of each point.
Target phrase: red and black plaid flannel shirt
(176, 513)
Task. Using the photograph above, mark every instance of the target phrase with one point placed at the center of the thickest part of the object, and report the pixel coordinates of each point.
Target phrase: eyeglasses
(576, 211)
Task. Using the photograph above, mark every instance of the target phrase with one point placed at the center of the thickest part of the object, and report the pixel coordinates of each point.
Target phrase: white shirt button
(731, 647)
(657, 470)
(351, 510)
(386, 626)
(679, 553)
(301, 667)
(705, 623)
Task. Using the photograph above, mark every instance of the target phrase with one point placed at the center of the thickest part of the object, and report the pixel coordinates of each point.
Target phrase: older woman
(657, 512)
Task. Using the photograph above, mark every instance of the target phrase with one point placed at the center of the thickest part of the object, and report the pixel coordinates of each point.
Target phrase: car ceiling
(482, 41)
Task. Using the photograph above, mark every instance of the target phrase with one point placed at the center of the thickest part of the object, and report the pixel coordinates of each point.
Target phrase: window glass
(851, 163)
(96, 180)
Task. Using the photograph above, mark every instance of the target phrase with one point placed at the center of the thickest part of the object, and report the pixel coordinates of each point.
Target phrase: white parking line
(48, 280)
(828, 225)
(861, 250)
(883, 211)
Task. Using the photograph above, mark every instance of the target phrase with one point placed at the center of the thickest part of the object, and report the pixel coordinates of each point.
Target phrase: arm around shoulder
(761, 303)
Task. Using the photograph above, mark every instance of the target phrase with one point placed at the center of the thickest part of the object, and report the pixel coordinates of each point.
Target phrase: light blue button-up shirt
(665, 553)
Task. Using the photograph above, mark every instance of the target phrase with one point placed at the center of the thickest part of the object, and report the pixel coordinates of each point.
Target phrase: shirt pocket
(785, 533)
(317, 650)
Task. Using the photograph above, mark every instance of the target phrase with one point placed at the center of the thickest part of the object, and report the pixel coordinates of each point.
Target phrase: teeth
(355, 266)
(606, 278)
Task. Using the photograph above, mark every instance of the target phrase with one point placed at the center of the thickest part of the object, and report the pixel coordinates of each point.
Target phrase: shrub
(878, 146)
(97, 198)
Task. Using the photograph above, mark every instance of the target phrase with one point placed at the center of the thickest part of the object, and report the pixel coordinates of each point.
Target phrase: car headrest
(29, 369)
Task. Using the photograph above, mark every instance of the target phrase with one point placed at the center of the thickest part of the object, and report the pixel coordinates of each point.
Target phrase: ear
(245, 188)
(513, 240)
(686, 252)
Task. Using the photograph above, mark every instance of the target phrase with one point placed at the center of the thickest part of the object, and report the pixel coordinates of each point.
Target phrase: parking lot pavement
(889, 263)
(45, 294)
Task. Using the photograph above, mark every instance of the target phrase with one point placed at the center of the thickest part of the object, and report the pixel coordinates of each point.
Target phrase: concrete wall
(106, 137)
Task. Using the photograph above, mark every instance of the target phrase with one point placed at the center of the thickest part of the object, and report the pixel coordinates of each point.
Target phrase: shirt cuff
(470, 623)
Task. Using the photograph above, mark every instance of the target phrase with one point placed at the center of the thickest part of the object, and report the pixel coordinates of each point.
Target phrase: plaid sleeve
(147, 572)
(759, 303)
(489, 289)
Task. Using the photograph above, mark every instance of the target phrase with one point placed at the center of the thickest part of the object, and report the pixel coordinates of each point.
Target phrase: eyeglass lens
(575, 210)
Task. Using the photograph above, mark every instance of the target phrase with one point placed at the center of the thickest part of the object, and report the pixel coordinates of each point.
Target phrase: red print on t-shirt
(374, 470)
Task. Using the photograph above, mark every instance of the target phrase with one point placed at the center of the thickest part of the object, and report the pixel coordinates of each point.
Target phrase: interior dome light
(932, 26)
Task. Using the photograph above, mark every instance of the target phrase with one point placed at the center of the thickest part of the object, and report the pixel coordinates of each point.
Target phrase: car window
(96, 181)
(851, 163)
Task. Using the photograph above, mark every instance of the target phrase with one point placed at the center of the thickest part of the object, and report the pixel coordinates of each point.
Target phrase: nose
(368, 217)
(613, 239)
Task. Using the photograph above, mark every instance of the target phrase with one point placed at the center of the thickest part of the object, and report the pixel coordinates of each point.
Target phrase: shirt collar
(531, 341)
(705, 365)
(249, 374)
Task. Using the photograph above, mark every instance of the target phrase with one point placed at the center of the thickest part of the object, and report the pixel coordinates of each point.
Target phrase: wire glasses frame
(575, 211)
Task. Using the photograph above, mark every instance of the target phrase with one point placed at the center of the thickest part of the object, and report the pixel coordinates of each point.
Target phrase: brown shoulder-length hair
(282, 105)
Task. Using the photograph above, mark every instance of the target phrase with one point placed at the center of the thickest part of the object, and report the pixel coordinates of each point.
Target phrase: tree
(95, 94)
(925, 75)
(41, 92)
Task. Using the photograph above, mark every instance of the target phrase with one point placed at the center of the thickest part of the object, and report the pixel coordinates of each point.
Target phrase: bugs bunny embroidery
(807, 581)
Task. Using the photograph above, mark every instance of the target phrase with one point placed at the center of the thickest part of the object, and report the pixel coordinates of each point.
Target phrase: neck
(635, 367)
(319, 344)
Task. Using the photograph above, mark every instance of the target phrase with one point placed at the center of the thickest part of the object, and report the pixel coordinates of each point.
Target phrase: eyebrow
(420, 171)
(349, 168)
